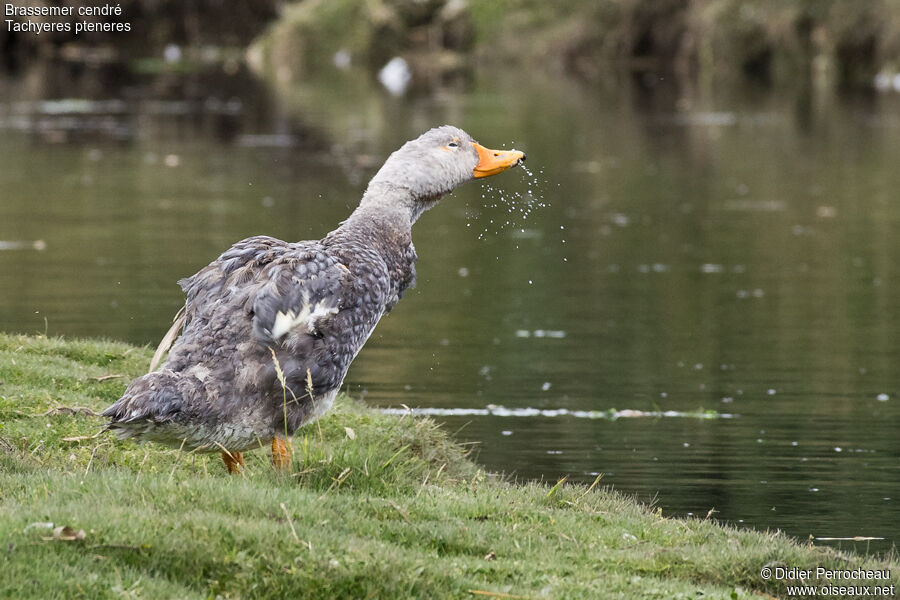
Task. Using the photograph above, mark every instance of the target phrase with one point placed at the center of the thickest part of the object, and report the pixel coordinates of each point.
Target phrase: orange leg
(234, 461)
(281, 453)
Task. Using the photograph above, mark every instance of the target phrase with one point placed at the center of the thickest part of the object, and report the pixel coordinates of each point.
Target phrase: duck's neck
(398, 203)
(383, 222)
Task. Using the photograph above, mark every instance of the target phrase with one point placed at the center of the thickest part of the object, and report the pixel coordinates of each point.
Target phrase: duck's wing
(230, 275)
(205, 288)
(299, 300)
(315, 314)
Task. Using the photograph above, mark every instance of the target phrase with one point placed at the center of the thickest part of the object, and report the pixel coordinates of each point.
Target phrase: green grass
(377, 506)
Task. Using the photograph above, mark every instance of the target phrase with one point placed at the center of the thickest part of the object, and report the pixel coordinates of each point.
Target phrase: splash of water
(515, 206)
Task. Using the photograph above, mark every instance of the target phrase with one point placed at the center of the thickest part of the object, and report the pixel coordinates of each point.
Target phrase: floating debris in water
(826, 212)
(274, 140)
(21, 245)
(494, 410)
(172, 53)
(541, 333)
(656, 268)
(71, 106)
(883, 397)
(395, 76)
(341, 59)
(706, 119)
(750, 205)
(886, 81)
(620, 220)
(856, 538)
(717, 268)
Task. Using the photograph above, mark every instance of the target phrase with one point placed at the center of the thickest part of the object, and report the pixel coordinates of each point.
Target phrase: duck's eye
(453, 145)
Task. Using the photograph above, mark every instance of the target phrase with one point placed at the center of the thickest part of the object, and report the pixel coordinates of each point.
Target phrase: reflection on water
(731, 252)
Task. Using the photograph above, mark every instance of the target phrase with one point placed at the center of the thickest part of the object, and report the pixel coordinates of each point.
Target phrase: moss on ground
(376, 506)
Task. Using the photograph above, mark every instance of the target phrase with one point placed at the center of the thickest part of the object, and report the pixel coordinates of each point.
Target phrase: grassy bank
(376, 506)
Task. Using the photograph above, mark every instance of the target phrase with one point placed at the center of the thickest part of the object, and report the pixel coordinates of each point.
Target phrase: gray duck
(305, 308)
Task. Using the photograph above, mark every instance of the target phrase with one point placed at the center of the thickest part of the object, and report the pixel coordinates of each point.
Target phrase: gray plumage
(312, 303)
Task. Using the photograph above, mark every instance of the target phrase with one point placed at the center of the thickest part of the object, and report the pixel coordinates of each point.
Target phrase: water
(694, 295)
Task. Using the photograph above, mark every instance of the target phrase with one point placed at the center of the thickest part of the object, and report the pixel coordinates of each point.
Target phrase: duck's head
(437, 162)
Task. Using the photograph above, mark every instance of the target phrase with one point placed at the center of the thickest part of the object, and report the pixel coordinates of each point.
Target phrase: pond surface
(725, 254)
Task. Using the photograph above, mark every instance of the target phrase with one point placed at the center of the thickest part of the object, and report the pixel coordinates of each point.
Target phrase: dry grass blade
(168, 339)
(290, 522)
(107, 377)
(81, 438)
(294, 531)
(278, 372)
(177, 460)
(70, 410)
(494, 594)
(91, 460)
(64, 533)
(231, 456)
(399, 510)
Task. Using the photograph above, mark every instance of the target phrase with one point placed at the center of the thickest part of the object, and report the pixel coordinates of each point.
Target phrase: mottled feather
(313, 303)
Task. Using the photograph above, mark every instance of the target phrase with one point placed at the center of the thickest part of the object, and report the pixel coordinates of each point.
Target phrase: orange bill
(492, 162)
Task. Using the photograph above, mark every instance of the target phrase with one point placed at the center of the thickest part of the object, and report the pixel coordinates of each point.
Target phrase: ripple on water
(495, 410)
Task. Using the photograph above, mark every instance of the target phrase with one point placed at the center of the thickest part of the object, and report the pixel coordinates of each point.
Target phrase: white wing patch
(308, 315)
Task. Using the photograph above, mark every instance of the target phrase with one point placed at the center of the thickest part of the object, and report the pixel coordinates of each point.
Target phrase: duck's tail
(151, 400)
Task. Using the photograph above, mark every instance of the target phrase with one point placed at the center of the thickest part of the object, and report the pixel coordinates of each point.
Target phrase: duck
(269, 329)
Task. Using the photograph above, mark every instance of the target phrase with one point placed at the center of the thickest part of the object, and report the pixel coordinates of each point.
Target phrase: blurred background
(699, 265)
